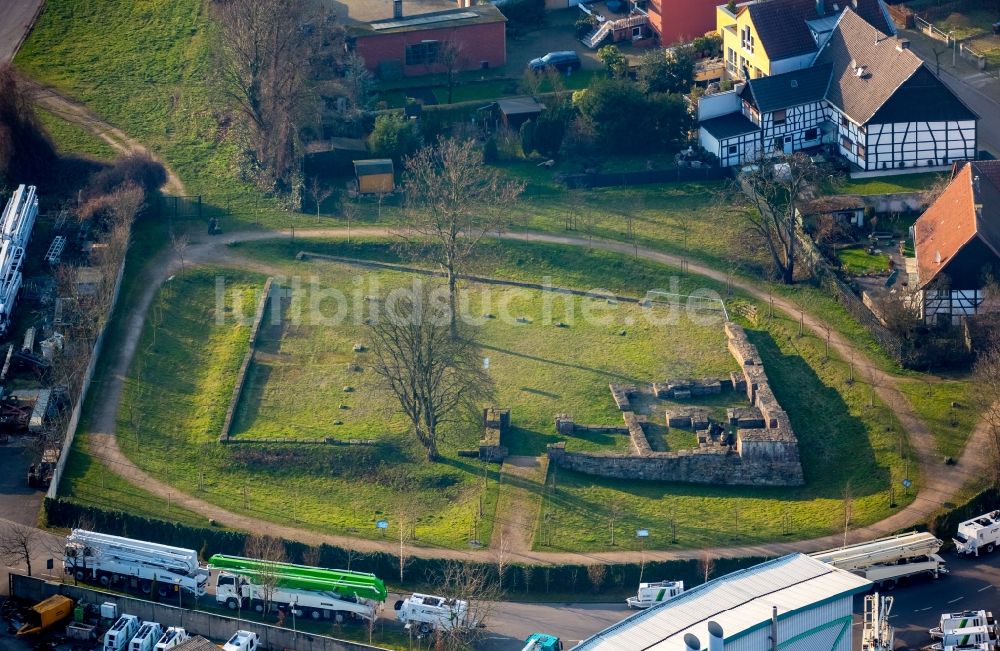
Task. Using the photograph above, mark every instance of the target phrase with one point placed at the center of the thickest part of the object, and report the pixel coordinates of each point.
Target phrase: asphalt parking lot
(19, 503)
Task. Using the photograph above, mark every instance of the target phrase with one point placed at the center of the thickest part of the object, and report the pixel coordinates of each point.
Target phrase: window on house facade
(423, 53)
(844, 121)
(746, 39)
(811, 134)
(731, 149)
(860, 149)
(847, 144)
(779, 117)
(757, 73)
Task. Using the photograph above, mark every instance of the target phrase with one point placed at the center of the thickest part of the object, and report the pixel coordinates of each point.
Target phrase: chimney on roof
(903, 44)
(937, 257)
(820, 8)
(397, 9)
(975, 183)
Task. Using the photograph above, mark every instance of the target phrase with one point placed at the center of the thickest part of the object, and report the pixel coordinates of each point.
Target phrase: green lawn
(890, 184)
(946, 407)
(841, 437)
(858, 262)
(74, 140)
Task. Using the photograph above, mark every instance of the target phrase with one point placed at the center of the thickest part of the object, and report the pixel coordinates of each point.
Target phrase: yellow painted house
(771, 37)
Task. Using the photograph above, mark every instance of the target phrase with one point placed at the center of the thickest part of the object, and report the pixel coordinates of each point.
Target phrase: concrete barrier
(195, 622)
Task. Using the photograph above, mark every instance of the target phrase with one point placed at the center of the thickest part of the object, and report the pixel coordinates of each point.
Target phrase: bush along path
(939, 485)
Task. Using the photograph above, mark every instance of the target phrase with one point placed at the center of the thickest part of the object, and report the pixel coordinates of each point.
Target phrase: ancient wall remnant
(765, 451)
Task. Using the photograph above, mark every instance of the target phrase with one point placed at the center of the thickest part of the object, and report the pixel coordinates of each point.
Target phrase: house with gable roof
(864, 92)
(768, 38)
(957, 244)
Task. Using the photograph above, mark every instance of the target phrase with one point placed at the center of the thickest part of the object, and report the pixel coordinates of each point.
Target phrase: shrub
(584, 25)
(393, 137)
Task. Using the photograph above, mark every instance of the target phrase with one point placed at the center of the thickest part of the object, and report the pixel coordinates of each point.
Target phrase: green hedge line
(945, 525)
(517, 579)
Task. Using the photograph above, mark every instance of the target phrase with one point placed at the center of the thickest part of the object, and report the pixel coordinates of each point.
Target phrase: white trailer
(650, 594)
(110, 560)
(146, 637)
(886, 561)
(237, 592)
(16, 223)
(981, 532)
(172, 637)
(123, 630)
(951, 622)
(427, 612)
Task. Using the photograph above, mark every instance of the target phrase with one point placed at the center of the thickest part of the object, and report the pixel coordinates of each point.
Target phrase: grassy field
(295, 386)
(944, 405)
(842, 437)
(890, 184)
(858, 262)
(74, 140)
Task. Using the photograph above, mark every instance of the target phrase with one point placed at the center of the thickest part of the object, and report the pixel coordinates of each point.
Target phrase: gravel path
(939, 483)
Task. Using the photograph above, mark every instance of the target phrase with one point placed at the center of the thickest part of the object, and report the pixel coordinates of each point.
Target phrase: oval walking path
(938, 484)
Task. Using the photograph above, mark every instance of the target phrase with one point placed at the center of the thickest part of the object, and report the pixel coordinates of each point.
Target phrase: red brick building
(680, 21)
(409, 46)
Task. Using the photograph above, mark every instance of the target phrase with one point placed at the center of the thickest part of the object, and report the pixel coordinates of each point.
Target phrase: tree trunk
(452, 301)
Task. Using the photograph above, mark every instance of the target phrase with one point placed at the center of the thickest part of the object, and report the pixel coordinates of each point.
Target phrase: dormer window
(746, 39)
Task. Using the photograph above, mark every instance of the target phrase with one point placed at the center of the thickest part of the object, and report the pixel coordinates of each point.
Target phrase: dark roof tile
(788, 89)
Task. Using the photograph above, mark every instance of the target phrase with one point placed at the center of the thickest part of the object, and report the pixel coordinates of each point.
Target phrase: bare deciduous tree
(987, 397)
(179, 243)
(270, 551)
(268, 52)
(453, 199)
(451, 59)
(706, 563)
(318, 192)
(596, 573)
(771, 187)
(437, 378)
(18, 544)
(464, 582)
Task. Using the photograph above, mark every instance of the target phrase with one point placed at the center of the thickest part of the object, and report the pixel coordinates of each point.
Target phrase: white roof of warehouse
(738, 602)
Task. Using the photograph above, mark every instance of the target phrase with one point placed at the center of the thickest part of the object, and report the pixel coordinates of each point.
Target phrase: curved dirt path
(75, 112)
(938, 484)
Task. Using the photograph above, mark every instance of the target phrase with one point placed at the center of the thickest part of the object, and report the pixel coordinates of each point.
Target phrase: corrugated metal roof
(738, 602)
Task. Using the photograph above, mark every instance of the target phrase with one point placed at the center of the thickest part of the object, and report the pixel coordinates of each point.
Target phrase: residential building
(680, 21)
(957, 244)
(805, 604)
(865, 93)
(776, 36)
(409, 46)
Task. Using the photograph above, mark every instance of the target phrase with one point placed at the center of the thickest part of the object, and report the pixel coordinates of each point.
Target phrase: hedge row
(517, 579)
(945, 525)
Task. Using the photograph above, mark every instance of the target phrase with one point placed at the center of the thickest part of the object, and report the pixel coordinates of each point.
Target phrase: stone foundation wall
(702, 466)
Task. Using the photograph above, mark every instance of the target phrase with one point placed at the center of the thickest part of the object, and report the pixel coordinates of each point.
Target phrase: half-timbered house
(957, 244)
(866, 94)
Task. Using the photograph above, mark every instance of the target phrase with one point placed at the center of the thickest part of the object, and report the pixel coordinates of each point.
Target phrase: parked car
(566, 61)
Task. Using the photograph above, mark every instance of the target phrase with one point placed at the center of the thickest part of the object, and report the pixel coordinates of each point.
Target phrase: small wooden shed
(374, 175)
(515, 111)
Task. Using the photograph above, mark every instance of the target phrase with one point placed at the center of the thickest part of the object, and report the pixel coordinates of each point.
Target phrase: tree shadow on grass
(597, 371)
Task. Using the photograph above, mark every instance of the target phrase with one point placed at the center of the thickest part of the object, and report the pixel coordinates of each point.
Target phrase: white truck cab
(981, 532)
(427, 612)
(650, 594)
(242, 641)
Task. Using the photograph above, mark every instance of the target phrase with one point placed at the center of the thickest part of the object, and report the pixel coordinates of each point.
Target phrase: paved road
(979, 90)
(18, 16)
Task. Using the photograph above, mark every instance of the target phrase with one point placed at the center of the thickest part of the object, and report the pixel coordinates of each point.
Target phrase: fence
(971, 55)
(645, 177)
(195, 622)
(88, 376)
(932, 31)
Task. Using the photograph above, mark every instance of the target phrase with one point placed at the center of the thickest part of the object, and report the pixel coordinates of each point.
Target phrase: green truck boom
(303, 577)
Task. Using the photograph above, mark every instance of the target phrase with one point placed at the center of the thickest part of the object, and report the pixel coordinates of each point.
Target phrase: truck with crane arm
(314, 592)
(113, 560)
(886, 561)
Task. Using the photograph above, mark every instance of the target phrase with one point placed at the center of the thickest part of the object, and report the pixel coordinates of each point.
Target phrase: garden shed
(515, 111)
(375, 175)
